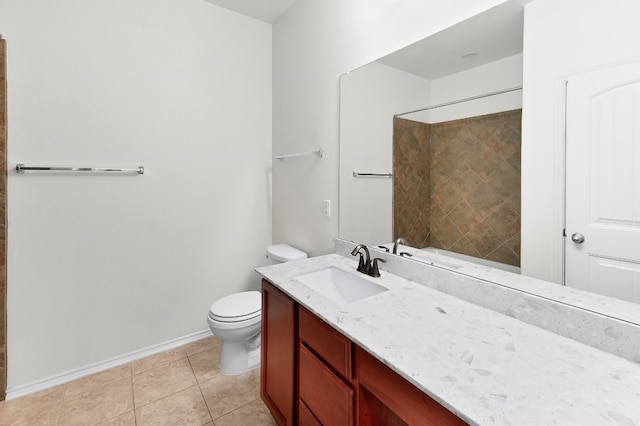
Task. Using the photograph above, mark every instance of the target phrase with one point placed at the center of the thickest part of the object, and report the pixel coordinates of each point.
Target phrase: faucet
(399, 241)
(365, 265)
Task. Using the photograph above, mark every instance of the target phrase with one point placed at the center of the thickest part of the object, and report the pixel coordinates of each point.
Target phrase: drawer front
(305, 416)
(325, 394)
(383, 394)
(329, 344)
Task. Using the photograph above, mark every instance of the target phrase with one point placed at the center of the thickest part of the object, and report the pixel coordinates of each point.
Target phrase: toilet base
(240, 357)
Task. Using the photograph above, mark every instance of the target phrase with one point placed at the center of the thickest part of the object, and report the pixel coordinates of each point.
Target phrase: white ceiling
(493, 35)
(264, 10)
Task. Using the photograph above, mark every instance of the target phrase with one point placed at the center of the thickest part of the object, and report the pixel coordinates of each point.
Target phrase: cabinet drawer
(325, 341)
(305, 416)
(325, 394)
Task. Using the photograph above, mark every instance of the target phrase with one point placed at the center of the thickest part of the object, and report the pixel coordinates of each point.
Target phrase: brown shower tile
(445, 163)
(447, 233)
(126, 419)
(186, 407)
(505, 180)
(515, 160)
(483, 239)
(486, 163)
(436, 214)
(514, 245)
(158, 359)
(206, 365)
(99, 404)
(41, 408)
(254, 413)
(202, 345)
(89, 383)
(224, 394)
(515, 201)
(503, 254)
(464, 246)
(446, 198)
(464, 180)
(505, 221)
(484, 199)
(465, 217)
(162, 381)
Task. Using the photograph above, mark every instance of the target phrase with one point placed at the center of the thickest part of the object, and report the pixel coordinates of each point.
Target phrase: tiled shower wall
(411, 182)
(473, 200)
(3, 220)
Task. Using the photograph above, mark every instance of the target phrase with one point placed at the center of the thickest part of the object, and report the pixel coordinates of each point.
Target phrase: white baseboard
(68, 376)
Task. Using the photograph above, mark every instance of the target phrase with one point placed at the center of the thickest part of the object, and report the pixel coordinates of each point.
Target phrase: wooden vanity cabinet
(277, 385)
(313, 375)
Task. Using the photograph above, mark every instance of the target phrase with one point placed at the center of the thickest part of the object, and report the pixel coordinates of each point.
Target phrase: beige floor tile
(183, 408)
(224, 394)
(206, 365)
(89, 383)
(126, 419)
(99, 404)
(156, 360)
(202, 345)
(162, 381)
(254, 413)
(38, 409)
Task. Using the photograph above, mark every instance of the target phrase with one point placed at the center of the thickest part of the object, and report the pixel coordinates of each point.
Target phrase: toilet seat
(238, 307)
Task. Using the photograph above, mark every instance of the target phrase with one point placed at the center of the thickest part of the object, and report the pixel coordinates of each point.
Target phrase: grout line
(61, 408)
(199, 388)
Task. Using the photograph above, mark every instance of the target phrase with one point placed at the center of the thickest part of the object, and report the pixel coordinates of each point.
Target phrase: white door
(602, 244)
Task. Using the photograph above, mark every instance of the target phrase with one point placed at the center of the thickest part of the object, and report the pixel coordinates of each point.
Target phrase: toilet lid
(234, 307)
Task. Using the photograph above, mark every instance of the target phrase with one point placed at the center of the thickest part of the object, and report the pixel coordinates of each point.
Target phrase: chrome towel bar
(382, 175)
(281, 157)
(21, 168)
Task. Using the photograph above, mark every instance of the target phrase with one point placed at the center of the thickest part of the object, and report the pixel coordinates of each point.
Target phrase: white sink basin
(340, 286)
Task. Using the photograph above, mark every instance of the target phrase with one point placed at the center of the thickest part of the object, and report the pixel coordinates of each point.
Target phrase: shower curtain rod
(473, 98)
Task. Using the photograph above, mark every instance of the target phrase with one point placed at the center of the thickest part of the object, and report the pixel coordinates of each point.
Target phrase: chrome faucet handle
(375, 271)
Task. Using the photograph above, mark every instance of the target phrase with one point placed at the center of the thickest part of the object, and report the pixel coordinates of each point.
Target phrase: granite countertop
(488, 368)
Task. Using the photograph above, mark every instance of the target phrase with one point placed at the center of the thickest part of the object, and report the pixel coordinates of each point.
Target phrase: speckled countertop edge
(486, 367)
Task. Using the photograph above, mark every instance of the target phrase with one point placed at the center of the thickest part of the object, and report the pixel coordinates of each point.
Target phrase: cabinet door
(278, 354)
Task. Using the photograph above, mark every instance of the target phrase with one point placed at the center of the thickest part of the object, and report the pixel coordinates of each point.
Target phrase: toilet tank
(281, 253)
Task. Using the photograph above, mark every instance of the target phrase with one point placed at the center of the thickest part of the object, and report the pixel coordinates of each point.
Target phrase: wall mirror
(442, 116)
(460, 91)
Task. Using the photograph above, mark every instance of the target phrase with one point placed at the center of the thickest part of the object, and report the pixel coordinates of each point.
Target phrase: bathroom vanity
(316, 375)
(415, 355)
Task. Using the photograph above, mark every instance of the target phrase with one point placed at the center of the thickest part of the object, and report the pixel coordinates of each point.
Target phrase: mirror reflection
(444, 116)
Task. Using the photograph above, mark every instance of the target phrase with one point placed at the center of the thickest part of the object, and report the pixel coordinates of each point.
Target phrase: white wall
(100, 266)
(498, 75)
(562, 37)
(369, 98)
(313, 44)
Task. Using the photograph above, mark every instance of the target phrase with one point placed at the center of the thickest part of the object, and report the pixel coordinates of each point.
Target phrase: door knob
(577, 238)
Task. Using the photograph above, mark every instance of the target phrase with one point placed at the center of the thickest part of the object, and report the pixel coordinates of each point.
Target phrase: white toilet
(236, 320)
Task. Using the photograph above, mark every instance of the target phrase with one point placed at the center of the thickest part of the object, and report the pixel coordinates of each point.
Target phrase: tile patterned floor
(182, 386)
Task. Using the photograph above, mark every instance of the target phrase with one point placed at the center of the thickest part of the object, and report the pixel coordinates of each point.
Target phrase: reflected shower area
(456, 181)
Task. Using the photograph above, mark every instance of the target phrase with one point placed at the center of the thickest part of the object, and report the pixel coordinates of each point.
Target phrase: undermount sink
(340, 286)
